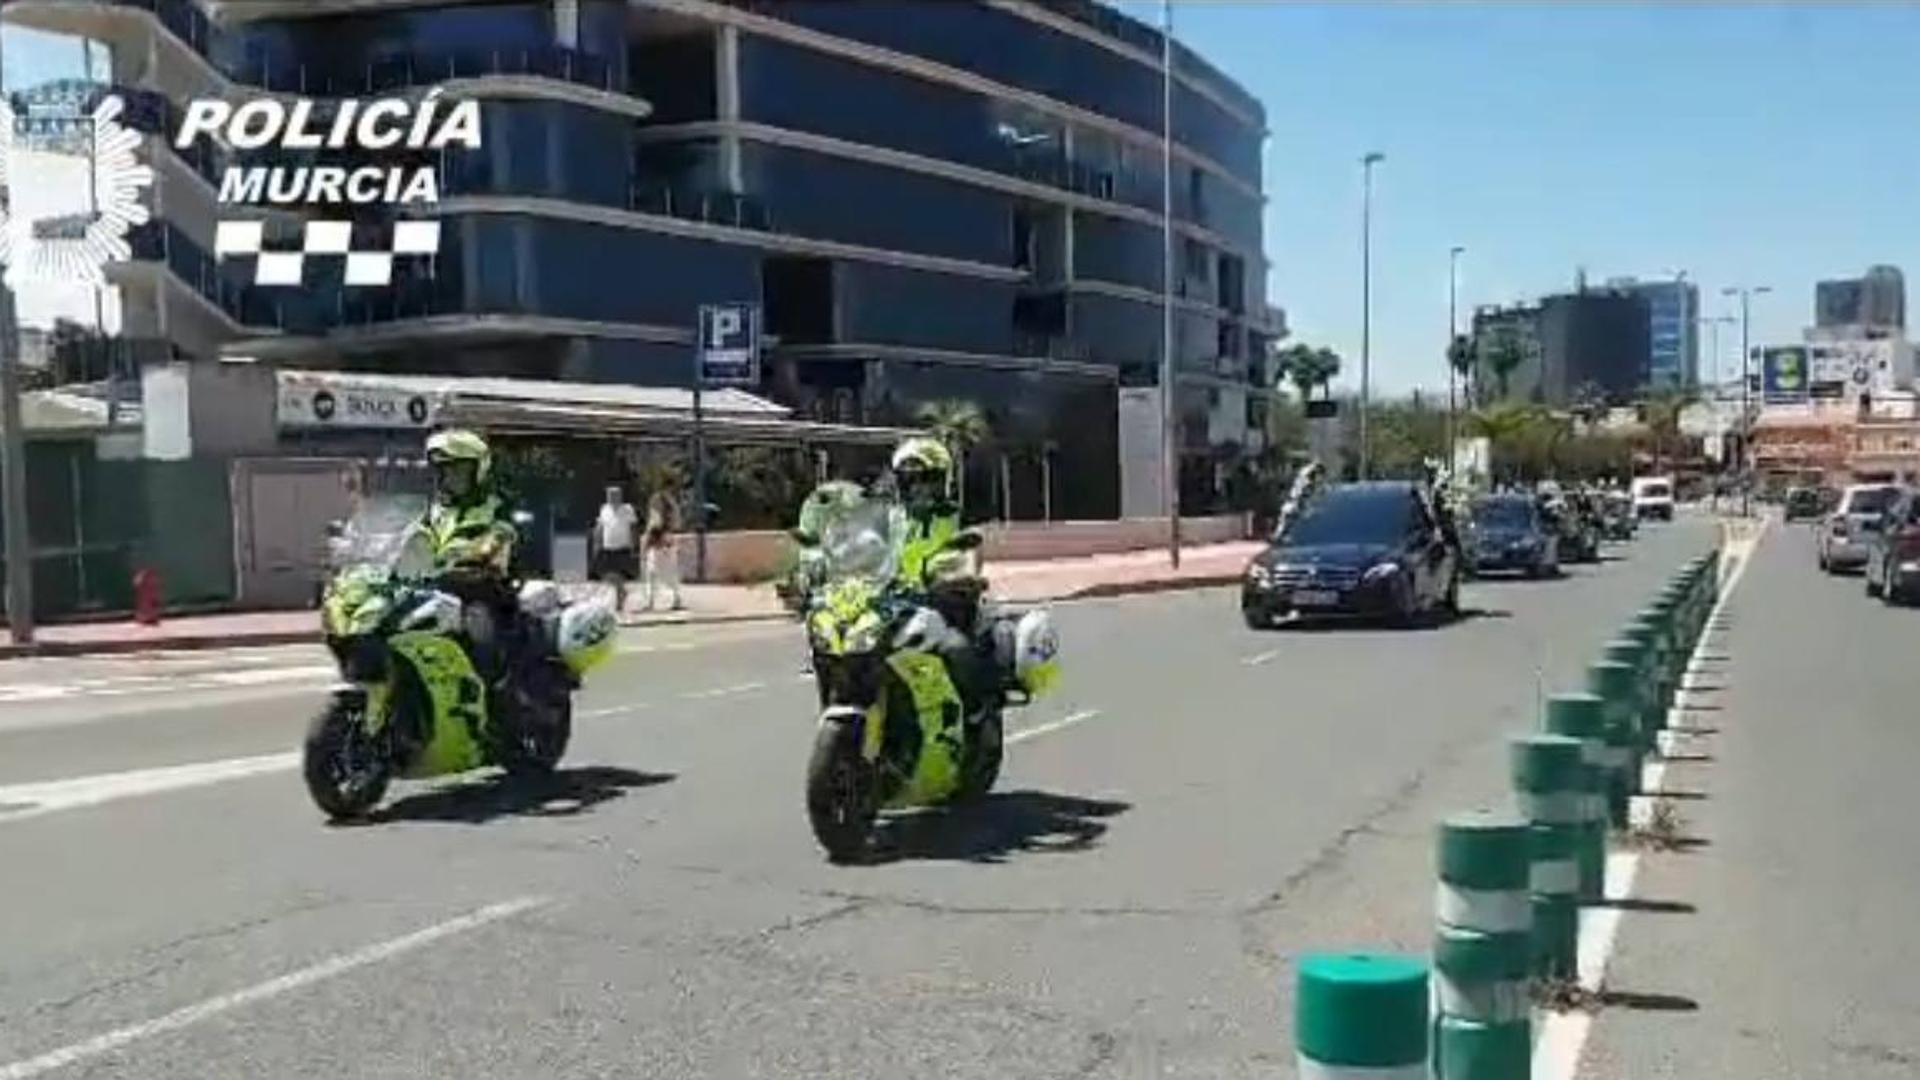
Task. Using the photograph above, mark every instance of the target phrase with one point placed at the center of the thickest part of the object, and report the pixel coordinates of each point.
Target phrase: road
(1200, 803)
(1778, 943)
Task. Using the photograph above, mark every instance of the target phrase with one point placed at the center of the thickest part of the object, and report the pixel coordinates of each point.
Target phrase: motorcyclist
(471, 530)
(923, 479)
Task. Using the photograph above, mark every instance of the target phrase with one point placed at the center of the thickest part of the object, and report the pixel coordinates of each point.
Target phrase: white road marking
(272, 988)
(1563, 1035)
(1259, 658)
(615, 710)
(724, 691)
(18, 801)
(1053, 726)
(271, 675)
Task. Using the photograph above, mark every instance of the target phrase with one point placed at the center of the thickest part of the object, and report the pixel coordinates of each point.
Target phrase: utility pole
(1453, 333)
(1746, 294)
(1366, 303)
(13, 469)
(1169, 412)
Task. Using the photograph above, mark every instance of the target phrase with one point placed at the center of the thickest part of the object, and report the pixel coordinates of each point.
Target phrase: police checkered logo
(364, 266)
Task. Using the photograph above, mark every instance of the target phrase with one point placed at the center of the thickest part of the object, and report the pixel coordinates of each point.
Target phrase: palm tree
(962, 426)
(1505, 354)
(1661, 414)
(1460, 357)
(1589, 404)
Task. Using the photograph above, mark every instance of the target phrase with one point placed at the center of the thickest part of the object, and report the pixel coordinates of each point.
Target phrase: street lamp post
(1453, 332)
(13, 475)
(1746, 293)
(1169, 411)
(1367, 163)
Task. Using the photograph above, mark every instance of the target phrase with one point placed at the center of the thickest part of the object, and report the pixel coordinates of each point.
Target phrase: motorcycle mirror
(965, 541)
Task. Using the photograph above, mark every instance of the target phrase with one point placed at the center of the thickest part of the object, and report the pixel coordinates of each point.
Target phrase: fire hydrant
(146, 596)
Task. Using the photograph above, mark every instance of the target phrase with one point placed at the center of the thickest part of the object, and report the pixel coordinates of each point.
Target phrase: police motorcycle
(413, 703)
(895, 730)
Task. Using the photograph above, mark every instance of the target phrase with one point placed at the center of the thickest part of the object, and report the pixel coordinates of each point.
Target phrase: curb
(189, 642)
(1134, 588)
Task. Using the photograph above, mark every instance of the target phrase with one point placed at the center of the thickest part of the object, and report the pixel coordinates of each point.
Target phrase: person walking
(616, 555)
(663, 557)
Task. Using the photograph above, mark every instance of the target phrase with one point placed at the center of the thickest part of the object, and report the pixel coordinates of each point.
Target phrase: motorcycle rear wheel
(346, 773)
(840, 803)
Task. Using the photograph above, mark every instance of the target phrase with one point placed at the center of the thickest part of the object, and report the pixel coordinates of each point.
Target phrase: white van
(1653, 497)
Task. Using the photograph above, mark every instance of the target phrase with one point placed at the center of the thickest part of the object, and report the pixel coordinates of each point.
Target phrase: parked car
(1804, 504)
(1653, 497)
(1373, 549)
(1841, 543)
(1509, 532)
(1893, 550)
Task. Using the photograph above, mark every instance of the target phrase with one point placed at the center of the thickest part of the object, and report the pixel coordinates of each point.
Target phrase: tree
(1661, 415)
(962, 426)
(1460, 358)
(1308, 367)
(1505, 353)
(1589, 404)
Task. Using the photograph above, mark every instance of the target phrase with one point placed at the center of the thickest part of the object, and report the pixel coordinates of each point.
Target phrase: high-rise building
(1875, 301)
(1555, 350)
(1673, 331)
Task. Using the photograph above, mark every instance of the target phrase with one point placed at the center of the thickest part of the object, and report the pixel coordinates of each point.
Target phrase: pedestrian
(663, 557)
(616, 556)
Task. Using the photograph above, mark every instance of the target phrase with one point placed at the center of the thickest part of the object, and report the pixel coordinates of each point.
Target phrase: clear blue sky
(1744, 143)
(1754, 143)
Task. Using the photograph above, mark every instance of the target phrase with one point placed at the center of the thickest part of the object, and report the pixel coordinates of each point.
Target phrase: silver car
(1842, 541)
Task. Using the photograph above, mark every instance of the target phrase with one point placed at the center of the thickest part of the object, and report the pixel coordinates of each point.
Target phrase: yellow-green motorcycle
(414, 704)
(894, 730)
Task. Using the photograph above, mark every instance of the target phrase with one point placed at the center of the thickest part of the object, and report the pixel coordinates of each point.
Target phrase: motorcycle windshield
(384, 539)
(862, 540)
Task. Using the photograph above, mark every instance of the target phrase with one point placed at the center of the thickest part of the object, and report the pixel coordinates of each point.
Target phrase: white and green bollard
(1547, 776)
(1361, 1016)
(1482, 949)
(1615, 684)
(1583, 717)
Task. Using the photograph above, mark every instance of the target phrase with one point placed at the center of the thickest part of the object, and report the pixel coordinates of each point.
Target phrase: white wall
(1142, 472)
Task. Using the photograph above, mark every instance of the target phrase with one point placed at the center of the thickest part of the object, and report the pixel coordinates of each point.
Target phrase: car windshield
(1868, 500)
(861, 539)
(1655, 491)
(1503, 514)
(1349, 517)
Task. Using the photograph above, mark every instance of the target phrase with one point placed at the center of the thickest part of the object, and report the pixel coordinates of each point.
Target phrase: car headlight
(1258, 574)
(1381, 571)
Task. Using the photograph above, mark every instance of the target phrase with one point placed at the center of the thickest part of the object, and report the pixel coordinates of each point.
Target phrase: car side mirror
(336, 530)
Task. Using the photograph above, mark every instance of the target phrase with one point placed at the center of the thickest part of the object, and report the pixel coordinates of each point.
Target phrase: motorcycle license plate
(1316, 598)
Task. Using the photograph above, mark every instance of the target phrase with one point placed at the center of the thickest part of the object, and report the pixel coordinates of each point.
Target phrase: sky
(1746, 144)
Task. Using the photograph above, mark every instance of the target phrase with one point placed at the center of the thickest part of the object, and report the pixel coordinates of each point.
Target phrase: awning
(344, 401)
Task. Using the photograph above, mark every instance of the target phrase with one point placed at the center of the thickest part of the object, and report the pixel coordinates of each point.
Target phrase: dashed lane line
(333, 967)
(1052, 726)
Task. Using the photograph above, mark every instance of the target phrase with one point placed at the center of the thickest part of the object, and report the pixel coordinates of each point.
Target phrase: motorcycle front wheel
(345, 770)
(540, 736)
(840, 804)
(980, 768)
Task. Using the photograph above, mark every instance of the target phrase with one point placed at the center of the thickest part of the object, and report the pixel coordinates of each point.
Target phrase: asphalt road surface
(1199, 804)
(1778, 943)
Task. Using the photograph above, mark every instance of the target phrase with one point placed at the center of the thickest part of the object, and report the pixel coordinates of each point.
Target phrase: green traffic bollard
(1361, 1016)
(1484, 868)
(1615, 685)
(1653, 704)
(1583, 717)
(1547, 772)
(1475, 1050)
(1556, 908)
(1481, 995)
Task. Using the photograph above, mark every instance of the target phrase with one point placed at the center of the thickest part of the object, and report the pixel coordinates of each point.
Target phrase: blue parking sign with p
(729, 345)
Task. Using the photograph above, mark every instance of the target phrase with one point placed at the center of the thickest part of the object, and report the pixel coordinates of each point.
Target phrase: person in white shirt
(615, 557)
(663, 559)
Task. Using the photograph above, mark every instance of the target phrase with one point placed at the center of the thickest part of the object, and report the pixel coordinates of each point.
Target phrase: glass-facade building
(930, 201)
(1673, 333)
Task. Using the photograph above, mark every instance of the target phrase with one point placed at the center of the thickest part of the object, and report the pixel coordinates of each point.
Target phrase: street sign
(729, 345)
(307, 401)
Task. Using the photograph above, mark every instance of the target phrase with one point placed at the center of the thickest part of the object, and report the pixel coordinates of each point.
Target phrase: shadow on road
(562, 793)
(1655, 907)
(1627, 999)
(1336, 623)
(1002, 824)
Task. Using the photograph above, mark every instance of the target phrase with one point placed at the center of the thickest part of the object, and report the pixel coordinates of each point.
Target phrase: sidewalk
(1777, 939)
(1054, 579)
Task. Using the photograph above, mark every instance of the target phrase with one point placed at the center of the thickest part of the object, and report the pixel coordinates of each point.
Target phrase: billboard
(1783, 372)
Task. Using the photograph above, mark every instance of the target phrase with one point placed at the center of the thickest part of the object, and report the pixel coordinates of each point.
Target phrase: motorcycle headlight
(864, 635)
(1381, 571)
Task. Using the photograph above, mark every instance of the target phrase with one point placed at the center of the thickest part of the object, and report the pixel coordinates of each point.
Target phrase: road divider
(1361, 1016)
